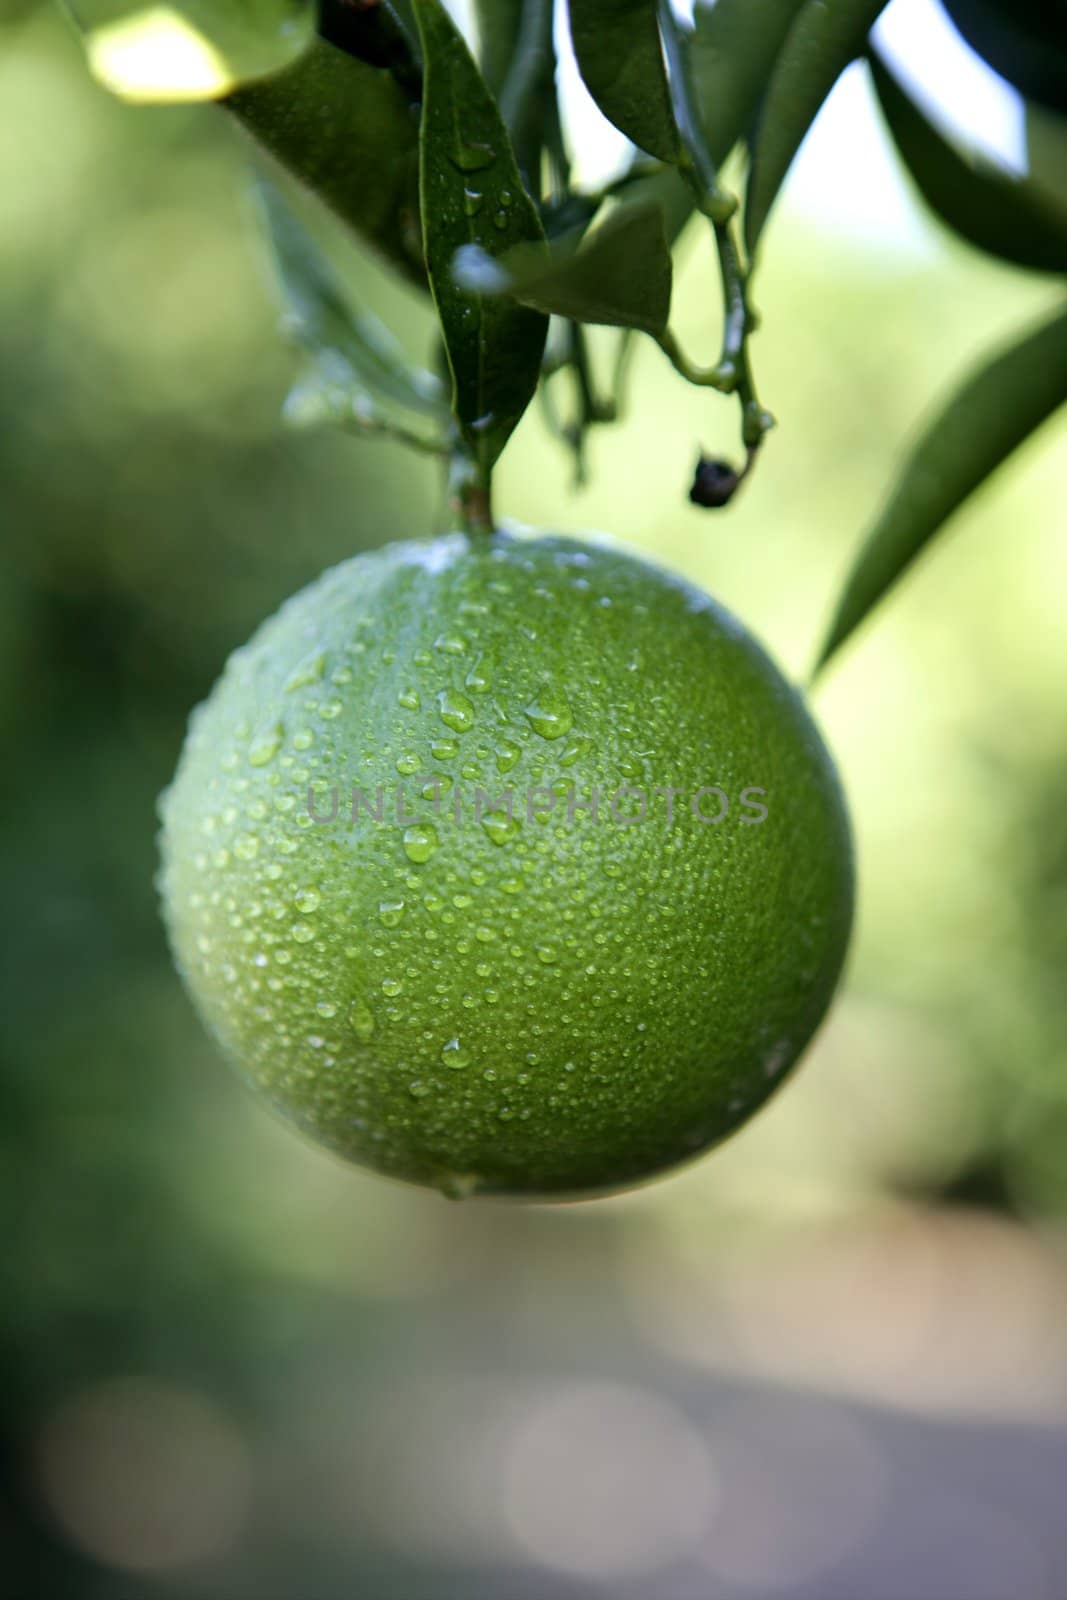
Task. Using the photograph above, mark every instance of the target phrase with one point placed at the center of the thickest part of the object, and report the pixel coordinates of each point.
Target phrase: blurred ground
(830, 1360)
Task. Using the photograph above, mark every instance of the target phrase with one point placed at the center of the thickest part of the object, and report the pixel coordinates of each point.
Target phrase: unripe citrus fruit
(392, 901)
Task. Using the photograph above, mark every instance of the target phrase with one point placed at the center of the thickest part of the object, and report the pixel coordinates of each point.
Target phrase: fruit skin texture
(553, 1008)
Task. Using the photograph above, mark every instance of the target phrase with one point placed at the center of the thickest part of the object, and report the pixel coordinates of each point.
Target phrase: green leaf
(570, 214)
(620, 277)
(1046, 152)
(1024, 41)
(825, 37)
(498, 22)
(732, 51)
(190, 49)
(346, 131)
(1008, 217)
(527, 96)
(382, 34)
(617, 46)
(472, 194)
(990, 416)
(357, 373)
(668, 190)
(517, 60)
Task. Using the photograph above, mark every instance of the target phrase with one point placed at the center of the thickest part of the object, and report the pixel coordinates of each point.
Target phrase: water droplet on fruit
(550, 714)
(420, 841)
(456, 711)
(477, 679)
(361, 1019)
(418, 1090)
(265, 745)
(507, 753)
(390, 912)
(451, 644)
(308, 671)
(454, 1055)
(302, 932)
(577, 747)
(246, 847)
(308, 901)
(409, 699)
(499, 826)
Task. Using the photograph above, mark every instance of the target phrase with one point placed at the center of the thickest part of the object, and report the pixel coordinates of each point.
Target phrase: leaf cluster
(450, 161)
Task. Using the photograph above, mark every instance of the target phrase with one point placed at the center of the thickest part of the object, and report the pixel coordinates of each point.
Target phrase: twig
(733, 372)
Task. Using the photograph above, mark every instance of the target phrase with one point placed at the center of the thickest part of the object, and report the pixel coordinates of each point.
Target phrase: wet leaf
(1007, 216)
(345, 129)
(732, 50)
(620, 276)
(190, 49)
(990, 416)
(472, 194)
(826, 35)
(357, 373)
(620, 57)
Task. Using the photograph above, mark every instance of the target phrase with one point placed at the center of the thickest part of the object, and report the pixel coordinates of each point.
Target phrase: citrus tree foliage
(446, 157)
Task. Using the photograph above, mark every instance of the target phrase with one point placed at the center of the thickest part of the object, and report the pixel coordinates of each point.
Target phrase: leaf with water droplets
(620, 57)
(345, 130)
(472, 194)
(620, 276)
(190, 49)
(988, 418)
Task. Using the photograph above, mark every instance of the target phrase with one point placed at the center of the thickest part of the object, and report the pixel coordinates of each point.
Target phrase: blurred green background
(830, 1360)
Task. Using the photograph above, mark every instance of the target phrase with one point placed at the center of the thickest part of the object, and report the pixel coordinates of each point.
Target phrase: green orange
(458, 975)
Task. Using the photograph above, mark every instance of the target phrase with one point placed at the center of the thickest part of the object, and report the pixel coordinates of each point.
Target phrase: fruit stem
(733, 373)
(470, 494)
